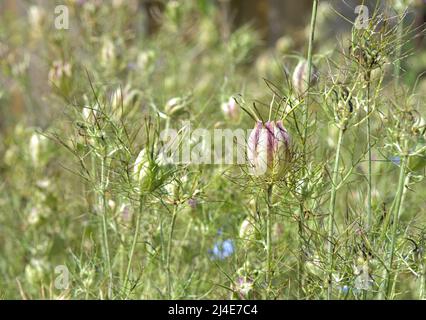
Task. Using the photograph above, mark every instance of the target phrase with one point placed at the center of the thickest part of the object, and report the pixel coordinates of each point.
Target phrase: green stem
(422, 293)
(169, 250)
(305, 137)
(396, 213)
(134, 243)
(105, 229)
(332, 208)
(398, 53)
(301, 262)
(269, 238)
(309, 61)
(369, 174)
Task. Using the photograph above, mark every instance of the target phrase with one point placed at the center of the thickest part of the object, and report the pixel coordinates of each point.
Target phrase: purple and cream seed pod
(268, 148)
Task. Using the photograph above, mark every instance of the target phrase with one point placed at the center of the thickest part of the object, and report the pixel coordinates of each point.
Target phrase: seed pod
(174, 106)
(141, 167)
(247, 229)
(231, 110)
(268, 149)
(300, 77)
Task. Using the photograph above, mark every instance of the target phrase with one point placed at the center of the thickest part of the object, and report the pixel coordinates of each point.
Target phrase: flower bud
(268, 149)
(231, 110)
(300, 77)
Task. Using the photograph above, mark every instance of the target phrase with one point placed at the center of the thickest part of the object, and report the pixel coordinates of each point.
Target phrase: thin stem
(400, 33)
(309, 61)
(422, 293)
(396, 213)
(369, 174)
(134, 243)
(332, 208)
(105, 229)
(268, 238)
(305, 137)
(301, 262)
(169, 250)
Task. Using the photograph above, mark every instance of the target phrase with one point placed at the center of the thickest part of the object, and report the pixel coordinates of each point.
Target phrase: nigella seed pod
(247, 229)
(268, 149)
(300, 77)
(231, 110)
(141, 167)
(175, 106)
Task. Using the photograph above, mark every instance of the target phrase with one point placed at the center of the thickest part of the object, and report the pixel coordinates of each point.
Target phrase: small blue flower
(396, 160)
(223, 249)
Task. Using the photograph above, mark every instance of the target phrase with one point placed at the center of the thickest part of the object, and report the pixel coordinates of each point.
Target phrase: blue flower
(396, 160)
(223, 249)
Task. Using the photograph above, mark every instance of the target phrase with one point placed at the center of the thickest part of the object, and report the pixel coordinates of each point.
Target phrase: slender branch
(369, 146)
(134, 243)
(305, 137)
(268, 238)
(332, 208)
(396, 213)
(105, 229)
(169, 250)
